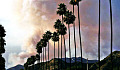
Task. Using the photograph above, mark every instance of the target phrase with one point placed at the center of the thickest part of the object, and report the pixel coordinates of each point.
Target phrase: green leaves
(69, 17)
(61, 9)
(55, 37)
(61, 28)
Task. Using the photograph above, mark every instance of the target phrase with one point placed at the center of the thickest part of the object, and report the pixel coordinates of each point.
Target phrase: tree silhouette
(61, 11)
(99, 38)
(43, 43)
(61, 29)
(55, 38)
(47, 37)
(111, 31)
(69, 19)
(76, 2)
(2, 49)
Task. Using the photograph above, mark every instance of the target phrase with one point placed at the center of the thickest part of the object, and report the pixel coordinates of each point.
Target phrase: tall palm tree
(39, 50)
(72, 2)
(76, 2)
(61, 11)
(55, 38)
(111, 31)
(99, 37)
(43, 43)
(69, 19)
(47, 37)
(56, 26)
(61, 29)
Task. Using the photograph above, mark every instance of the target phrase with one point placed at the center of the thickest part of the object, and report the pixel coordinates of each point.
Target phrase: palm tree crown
(47, 36)
(61, 28)
(75, 2)
(39, 47)
(57, 24)
(69, 17)
(61, 9)
(43, 43)
(55, 36)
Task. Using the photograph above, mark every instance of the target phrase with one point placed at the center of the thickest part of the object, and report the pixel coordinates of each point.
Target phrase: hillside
(18, 67)
(106, 62)
(51, 64)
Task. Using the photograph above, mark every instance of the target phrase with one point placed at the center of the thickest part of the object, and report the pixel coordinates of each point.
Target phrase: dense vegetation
(2, 48)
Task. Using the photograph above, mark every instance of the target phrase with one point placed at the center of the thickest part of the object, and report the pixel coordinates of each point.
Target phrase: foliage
(75, 2)
(61, 9)
(69, 17)
(55, 37)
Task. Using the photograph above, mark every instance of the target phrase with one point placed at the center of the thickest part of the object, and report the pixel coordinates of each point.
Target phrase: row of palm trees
(69, 18)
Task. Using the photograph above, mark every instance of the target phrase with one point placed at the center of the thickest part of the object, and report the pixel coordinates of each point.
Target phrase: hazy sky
(26, 20)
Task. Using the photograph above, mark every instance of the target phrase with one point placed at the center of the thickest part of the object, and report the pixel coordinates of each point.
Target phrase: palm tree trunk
(58, 55)
(111, 31)
(69, 46)
(74, 39)
(65, 51)
(48, 54)
(61, 52)
(45, 58)
(99, 38)
(61, 45)
(41, 60)
(54, 55)
(64, 44)
(80, 37)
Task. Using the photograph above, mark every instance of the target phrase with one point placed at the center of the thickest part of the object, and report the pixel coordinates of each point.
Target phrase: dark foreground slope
(18, 67)
(106, 62)
(51, 64)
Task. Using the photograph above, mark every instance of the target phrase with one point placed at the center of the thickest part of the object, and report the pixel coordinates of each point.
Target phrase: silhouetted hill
(106, 62)
(78, 59)
(51, 64)
(18, 67)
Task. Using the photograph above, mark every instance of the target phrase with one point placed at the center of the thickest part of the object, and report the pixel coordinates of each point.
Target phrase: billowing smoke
(35, 17)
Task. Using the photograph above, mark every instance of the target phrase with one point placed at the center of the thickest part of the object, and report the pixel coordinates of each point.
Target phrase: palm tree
(76, 2)
(111, 31)
(61, 29)
(69, 19)
(72, 2)
(99, 38)
(47, 37)
(43, 43)
(55, 38)
(61, 11)
(39, 50)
